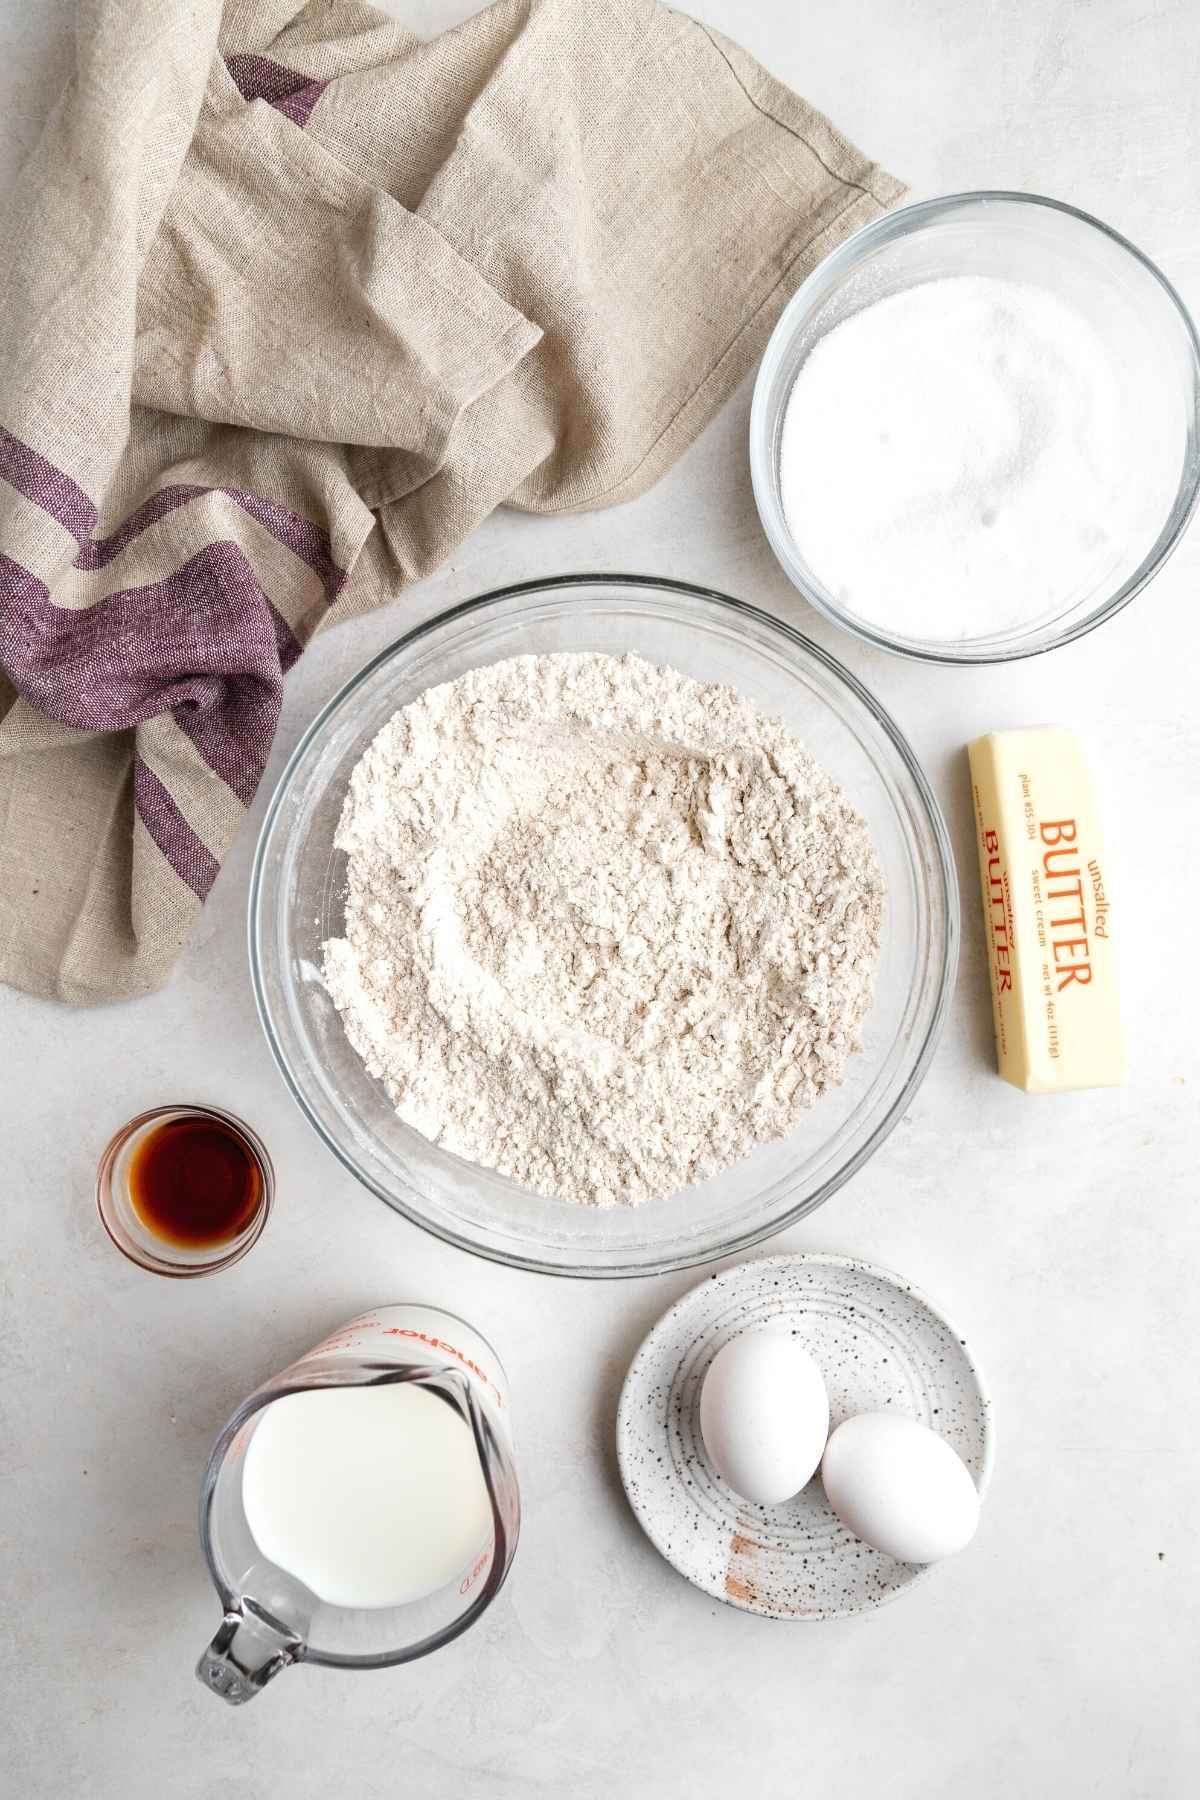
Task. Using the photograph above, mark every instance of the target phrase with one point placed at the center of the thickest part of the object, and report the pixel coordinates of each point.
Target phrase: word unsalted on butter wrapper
(1049, 921)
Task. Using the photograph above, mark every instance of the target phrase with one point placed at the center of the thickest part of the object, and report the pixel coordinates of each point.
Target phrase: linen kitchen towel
(291, 300)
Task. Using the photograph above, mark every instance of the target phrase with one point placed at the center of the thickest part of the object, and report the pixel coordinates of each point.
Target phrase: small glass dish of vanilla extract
(185, 1190)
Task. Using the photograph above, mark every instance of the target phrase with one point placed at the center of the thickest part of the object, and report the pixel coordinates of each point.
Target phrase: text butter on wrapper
(1049, 922)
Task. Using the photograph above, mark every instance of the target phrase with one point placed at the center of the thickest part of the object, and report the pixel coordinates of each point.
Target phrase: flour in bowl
(607, 928)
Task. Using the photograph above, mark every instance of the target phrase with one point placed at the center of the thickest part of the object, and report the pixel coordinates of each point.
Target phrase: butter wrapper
(1050, 922)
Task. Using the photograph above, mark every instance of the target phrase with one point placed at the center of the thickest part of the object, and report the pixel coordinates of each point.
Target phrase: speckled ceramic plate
(879, 1344)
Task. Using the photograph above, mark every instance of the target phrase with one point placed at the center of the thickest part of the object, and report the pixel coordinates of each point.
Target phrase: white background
(1058, 1656)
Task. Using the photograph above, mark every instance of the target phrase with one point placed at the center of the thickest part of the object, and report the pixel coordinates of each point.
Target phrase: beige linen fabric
(291, 302)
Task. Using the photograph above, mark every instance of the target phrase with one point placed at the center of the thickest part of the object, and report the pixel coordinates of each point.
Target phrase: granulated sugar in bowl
(645, 653)
(974, 431)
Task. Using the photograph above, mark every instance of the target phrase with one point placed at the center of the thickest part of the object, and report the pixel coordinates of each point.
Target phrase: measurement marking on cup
(469, 1580)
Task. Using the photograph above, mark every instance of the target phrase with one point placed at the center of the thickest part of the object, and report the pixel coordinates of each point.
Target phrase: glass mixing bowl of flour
(995, 435)
(297, 903)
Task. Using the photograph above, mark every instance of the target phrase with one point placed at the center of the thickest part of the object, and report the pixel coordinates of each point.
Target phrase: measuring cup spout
(248, 1650)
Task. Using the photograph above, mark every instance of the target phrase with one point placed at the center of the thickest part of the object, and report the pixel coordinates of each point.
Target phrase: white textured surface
(1057, 1655)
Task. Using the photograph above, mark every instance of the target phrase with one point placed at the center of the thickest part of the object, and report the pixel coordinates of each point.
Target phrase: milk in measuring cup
(361, 1507)
(371, 1496)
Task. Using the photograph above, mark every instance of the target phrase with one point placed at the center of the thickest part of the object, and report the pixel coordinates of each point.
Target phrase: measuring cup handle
(245, 1654)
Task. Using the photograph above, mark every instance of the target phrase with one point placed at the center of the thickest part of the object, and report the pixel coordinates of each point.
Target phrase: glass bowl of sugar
(976, 428)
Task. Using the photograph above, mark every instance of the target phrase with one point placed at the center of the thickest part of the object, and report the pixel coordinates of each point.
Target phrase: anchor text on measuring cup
(439, 1343)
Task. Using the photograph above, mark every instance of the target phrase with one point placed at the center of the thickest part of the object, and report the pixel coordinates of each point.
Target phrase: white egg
(900, 1487)
(764, 1415)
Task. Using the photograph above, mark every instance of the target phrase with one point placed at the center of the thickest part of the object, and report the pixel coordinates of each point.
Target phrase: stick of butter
(1048, 918)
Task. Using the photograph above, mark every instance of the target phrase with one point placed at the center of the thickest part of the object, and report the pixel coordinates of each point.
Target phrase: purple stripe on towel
(205, 645)
(97, 553)
(19, 589)
(55, 492)
(258, 78)
(300, 535)
(304, 539)
(190, 858)
(46, 486)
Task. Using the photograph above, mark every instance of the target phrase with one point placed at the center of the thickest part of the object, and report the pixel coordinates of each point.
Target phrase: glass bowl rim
(896, 224)
(944, 872)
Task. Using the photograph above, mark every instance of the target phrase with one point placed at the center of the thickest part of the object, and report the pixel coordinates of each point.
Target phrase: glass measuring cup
(271, 1618)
